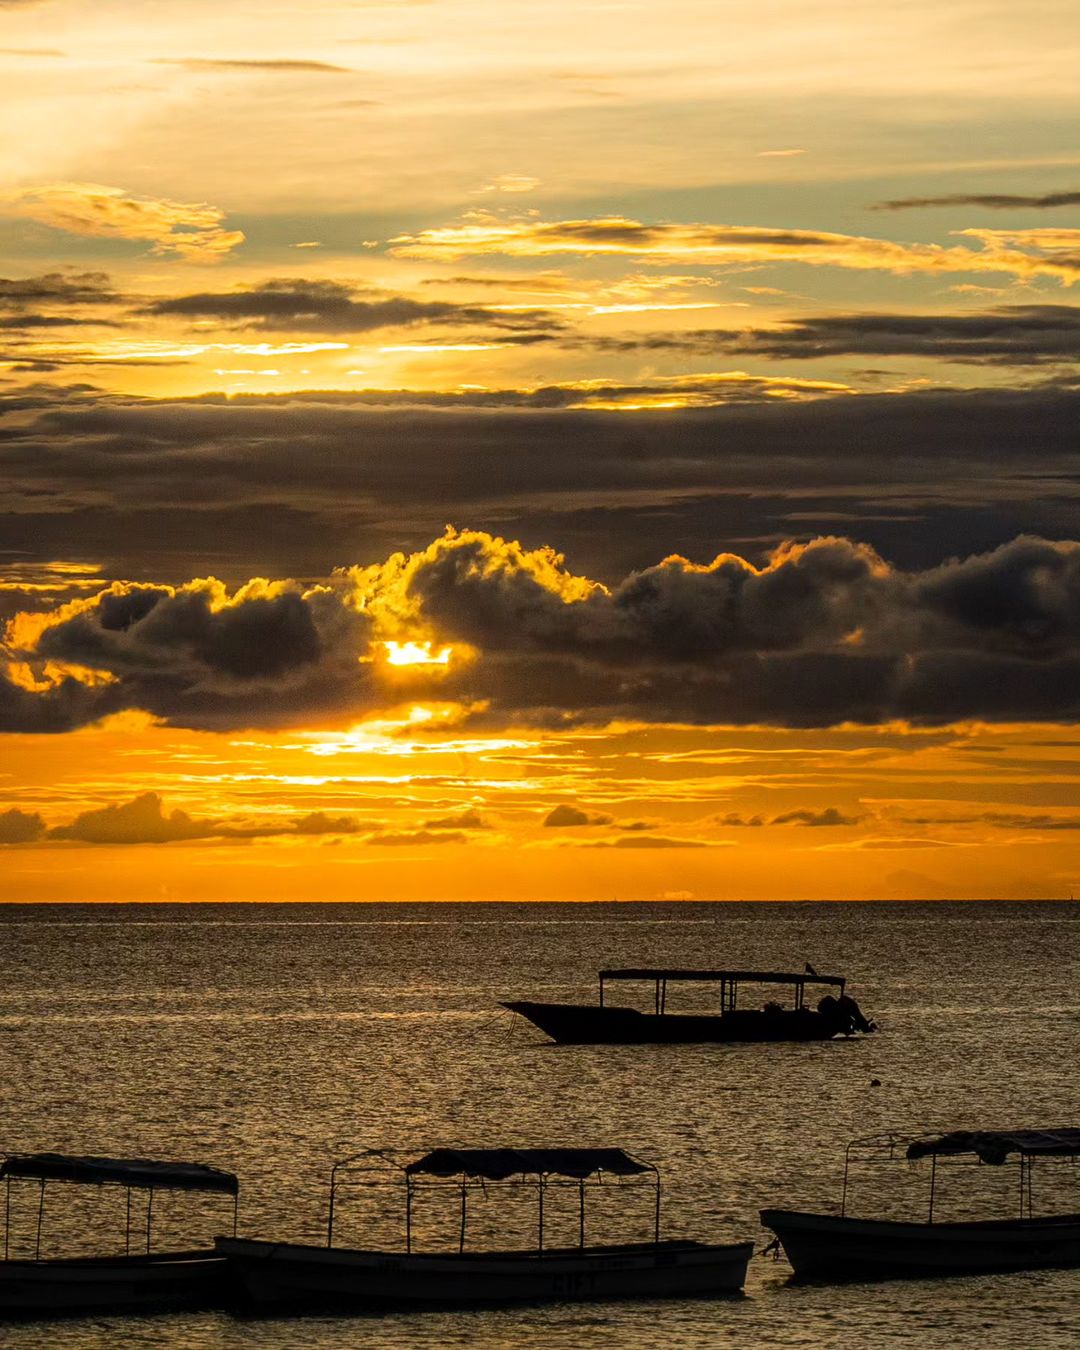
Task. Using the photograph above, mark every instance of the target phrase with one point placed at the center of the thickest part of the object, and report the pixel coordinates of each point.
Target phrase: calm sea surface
(271, 1039)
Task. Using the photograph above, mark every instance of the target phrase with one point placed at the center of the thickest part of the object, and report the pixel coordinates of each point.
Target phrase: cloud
(404, 838)
(141, 821)
(822, 633)
(64, 299)
(828, 817)
(648, 841)
(993, 201)
(512, 183)
(736, 245)
(1004, 820)
(464, 820)
(802, 816)
(299, 483)
(269, 646)
(302, 305)
(318, 822)
(1009, 335)
(571, 817)
(192, 231)
(280, 66)
(20, 827)
(66, 287)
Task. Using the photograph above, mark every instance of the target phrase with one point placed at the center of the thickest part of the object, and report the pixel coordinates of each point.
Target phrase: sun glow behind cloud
(417, 654)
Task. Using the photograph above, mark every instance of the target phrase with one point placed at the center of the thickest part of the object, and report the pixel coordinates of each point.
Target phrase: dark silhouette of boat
(277, 1273)
(127, 1281)
(841, 1247)
(606, 1024)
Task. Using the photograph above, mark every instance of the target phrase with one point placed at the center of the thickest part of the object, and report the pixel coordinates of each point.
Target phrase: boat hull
(829, 1247)
(268, 1273)
(587, 1024)
(162, 1280)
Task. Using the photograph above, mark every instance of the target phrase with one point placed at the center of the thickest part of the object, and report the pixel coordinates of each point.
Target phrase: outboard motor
(849, 1009)
(845, 1014)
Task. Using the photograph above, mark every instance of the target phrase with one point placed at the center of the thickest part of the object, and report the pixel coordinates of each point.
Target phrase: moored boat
(272, 1273)
(127, 1281)
(602, 1023)
(841, 1247)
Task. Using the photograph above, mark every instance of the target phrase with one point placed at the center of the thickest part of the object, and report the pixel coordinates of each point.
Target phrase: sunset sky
(463, 450)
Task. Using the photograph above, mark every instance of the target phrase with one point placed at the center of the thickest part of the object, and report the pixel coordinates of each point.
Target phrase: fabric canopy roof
(123, 1171)
(711, 976)
(496, 1164)
(994, 1146)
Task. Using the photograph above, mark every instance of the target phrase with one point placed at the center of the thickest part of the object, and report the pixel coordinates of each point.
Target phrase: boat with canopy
(286, 1273)
(37, 1285)
(604, 1023)
(845, 1247)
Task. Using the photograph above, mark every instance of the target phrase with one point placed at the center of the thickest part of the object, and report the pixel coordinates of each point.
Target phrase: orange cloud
(192, 231)
(1048, 252)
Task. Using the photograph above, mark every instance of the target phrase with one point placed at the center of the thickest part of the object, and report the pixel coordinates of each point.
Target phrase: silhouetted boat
(288, 1273)
(124, 1282)
(841, 1247)
(604, 1024)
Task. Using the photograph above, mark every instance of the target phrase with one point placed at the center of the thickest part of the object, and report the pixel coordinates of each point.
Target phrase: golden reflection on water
(276, 1041)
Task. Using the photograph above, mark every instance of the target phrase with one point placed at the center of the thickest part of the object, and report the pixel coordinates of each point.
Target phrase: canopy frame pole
(408, 1214)
(464, 1194)
(40, 1217)
(581, 1212)
(1022, 1186)
(663, 997)
(127, 1221)
(843, 1192)
(149, 1216)
(7, 1216)
(933, 1184)
(656, 998)
(540, 1215)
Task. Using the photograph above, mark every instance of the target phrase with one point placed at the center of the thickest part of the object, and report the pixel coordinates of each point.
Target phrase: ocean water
(272, 1039)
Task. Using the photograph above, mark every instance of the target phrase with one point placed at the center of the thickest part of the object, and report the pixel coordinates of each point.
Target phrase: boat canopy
(994, 1146)
(739, 976)
(136, 1172)
(497, 1164)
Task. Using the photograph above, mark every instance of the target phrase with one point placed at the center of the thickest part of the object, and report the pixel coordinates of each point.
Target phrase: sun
(416, 654)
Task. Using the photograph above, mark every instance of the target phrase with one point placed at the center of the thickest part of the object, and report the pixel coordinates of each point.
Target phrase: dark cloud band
(993, 201)
(825, 633)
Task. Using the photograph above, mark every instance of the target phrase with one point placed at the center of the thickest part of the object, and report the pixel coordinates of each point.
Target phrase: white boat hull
(828, 1246)
(281, 1273)
(161, 1280)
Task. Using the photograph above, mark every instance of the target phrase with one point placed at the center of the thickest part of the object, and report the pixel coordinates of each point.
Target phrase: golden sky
(479, 451)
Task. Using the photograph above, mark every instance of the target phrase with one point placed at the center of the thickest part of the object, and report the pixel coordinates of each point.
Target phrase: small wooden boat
(127, 1281)
(605, 1024)
(288, 1273)
(843, 1247)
